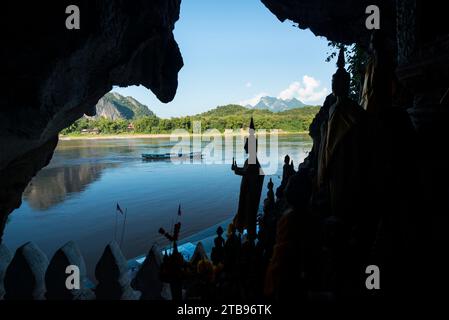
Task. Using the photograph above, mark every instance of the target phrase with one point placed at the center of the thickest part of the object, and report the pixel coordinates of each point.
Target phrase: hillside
(221, 118)
(114, 106)
(235, 117)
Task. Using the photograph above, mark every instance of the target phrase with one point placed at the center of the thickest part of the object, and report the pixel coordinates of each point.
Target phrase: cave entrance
(244, 60)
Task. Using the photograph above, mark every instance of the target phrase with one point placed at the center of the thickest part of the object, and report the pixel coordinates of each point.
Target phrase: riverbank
(157, 136)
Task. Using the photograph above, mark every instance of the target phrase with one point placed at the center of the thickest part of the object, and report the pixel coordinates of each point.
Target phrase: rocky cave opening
(134, 45)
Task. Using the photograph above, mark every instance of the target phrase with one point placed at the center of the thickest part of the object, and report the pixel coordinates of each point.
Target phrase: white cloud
(253, 101)
(308, 91)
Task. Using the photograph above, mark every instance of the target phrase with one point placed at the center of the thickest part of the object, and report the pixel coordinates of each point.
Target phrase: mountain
(235, 110)
(114, 106)
(276, 105)
(236, 117)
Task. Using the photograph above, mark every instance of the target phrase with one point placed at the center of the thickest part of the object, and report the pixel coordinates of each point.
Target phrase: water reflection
(53, 185)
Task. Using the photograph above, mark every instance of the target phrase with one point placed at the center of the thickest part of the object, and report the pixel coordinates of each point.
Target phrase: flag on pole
(119, 209)
(179, 210)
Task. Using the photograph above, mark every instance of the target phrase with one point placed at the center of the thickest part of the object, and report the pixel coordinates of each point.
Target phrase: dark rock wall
(342, 21)
(423, 42)
(420, 33)
(51, 76)
(16, 176)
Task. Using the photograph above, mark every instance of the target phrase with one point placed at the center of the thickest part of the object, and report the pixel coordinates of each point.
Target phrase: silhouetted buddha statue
(380, 81)
(346, 175)
(269, 202)
(286, 169)
(267, 223)
(287, 172)
(318, 125)
(250, 188)
(232, 249)
(311, 162)
(342, 149)
(285, 273)
(217, 254)
(399, 199)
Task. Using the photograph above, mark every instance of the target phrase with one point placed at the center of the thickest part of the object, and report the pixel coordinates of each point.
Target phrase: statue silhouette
(269, 202)
(346, 175)
(380, 80)
(287, 171)
(342, 146)
(250, 188)
(217, 254)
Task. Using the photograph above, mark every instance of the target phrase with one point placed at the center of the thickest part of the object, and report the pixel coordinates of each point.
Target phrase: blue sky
(237, 50)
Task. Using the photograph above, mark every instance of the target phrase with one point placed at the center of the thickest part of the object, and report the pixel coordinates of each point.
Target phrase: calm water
(75, 197)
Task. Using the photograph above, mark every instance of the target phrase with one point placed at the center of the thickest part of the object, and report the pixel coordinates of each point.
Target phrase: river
(76, 195)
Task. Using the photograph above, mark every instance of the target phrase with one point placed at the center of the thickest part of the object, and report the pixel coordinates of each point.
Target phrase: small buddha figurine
(287, 171)
(231, 249)
(217, 254)
(267, 223)
(268, 207)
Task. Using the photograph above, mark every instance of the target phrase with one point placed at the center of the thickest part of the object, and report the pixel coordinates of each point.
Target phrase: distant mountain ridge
(276, 104)
(236, 110)
(114, 106)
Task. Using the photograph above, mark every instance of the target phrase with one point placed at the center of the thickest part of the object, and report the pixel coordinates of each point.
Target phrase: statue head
(251, 139)
(251, 124)
(341, 79)
(287, 159)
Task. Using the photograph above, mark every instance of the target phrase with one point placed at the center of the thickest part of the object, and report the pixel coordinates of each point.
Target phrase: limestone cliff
(114, 106)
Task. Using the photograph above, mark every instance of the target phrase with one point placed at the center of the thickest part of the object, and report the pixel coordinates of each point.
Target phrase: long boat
(171, 156)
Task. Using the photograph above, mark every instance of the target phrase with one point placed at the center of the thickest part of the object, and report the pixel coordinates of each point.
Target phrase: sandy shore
(157, 136)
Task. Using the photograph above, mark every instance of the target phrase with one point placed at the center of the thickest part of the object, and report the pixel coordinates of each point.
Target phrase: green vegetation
(221, 118)
(101, 125)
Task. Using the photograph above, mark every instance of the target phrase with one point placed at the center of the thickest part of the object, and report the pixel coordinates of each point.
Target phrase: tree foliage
(221, 118)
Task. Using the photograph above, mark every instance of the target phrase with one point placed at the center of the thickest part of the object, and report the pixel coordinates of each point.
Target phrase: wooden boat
(171, 156)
